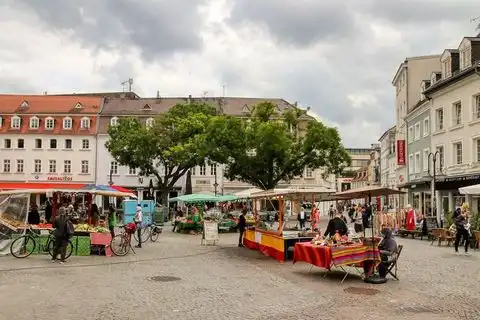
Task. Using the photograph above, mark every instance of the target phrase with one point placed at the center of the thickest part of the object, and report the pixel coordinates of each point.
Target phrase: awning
(37, 186)
(368, 191)
(122, 189)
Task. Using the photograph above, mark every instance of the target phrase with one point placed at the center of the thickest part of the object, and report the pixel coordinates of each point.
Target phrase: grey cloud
(300, 23)
(155, 27)
(15, 85)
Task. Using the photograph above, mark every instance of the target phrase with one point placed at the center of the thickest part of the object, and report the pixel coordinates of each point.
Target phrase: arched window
(67, 123)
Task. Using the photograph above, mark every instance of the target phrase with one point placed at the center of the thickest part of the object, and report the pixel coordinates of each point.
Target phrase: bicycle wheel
(23, 247)
(120, 245)
(145, 234)
(154, 235)
(68, 251)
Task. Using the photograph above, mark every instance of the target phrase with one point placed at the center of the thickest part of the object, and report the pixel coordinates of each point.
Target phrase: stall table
(326, 257)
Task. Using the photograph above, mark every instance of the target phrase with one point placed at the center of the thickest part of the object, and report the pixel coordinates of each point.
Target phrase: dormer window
(34, 123)
(245, 109)
(78, 106)
(24, 104)
(67, 123)
(149, 122)
(85, 123)
(49, 123)
(433, 78)
(465, 50)
(147, 107)
(114, 121)
(16, 122)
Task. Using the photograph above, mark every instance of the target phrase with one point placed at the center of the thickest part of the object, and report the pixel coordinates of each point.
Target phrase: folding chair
(393, 260)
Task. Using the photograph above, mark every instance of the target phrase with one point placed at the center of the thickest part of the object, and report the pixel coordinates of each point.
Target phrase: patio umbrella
(474, 190)
(195, 198)
(227, 197)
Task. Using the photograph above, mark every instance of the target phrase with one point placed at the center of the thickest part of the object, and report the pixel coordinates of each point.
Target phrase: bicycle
(25, 245)
(151, 231)
(121, 244)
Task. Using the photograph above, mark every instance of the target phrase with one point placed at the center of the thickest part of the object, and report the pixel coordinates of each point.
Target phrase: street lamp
(110, 182)
(435, 157)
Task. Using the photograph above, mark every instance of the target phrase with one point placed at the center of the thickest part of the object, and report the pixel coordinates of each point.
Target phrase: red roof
(34, 185)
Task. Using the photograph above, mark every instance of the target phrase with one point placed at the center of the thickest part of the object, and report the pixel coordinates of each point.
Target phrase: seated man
(387, 247)
(336, 225)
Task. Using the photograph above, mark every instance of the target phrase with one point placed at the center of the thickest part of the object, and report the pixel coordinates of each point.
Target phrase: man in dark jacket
(61, 236)
(336, 225)
(242, 224)
(461, 222)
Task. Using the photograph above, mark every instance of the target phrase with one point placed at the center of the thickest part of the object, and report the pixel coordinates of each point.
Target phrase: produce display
(89, 228)
(11, 222)
(333, 241)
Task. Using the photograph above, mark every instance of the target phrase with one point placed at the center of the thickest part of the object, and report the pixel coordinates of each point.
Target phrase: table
(341, 256)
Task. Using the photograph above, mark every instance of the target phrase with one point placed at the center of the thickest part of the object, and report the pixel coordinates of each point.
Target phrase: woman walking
(61, 235)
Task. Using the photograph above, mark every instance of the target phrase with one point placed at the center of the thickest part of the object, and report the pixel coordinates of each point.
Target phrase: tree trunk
(165, 211)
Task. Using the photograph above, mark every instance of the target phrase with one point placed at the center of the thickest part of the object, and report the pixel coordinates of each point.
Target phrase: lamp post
(110, 182)
(435, 157)
(215, 185)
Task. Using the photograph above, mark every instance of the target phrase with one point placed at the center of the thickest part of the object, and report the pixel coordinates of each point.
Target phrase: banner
(401, 152)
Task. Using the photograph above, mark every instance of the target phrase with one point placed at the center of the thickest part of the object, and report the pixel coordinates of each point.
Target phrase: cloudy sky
(336, 56)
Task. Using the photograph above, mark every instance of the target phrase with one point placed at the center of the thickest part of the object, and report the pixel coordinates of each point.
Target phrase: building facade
(407, 81)
(388, 167)
(48, 140)
(360, 159)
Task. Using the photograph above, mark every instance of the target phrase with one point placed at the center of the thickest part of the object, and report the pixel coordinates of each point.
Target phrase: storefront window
(428, 204)
(416, 201)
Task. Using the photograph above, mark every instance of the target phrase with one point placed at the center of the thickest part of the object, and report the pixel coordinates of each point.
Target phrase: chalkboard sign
(431, 223)
(210, 231)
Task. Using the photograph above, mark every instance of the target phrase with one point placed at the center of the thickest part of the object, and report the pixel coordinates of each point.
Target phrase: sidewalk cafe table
(326, 257)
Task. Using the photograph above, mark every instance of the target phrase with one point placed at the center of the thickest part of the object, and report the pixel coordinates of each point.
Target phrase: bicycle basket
(130, 228)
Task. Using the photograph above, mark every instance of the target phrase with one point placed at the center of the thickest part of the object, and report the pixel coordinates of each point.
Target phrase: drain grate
(165, 278)
(363, 291)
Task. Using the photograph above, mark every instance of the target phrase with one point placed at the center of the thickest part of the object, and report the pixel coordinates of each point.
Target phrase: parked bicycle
(25, 245)
(121, 244)
(151, 231)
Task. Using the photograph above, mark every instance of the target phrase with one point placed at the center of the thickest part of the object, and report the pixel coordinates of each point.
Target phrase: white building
(388, 166)
(47, 140)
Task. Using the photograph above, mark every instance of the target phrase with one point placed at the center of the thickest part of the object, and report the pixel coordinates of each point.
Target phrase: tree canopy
(173, 144)
(272, 146)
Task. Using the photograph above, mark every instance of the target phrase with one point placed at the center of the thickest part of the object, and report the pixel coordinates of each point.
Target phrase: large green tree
(272, 146)
(166, 150)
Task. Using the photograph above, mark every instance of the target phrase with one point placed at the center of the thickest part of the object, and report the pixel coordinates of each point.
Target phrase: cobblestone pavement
(227, 282)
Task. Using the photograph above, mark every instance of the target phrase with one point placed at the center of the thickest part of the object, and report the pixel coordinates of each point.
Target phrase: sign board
(59, 178)
(401, 152)
(210, 231)
(258, 237)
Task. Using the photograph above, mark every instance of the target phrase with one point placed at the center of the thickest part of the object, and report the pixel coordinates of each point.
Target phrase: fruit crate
(81, 245)
(40, 245)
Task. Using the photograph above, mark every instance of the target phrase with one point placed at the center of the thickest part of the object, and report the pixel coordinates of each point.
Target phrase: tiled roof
(45, 104)
(57, 129)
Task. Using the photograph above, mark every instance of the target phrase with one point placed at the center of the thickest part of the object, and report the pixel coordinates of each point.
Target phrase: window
(149, 123)
(410, 134)
(457, 153)
(34, 123)
(192, 171)
(7, 143)
(1, 122)
(114, 121)
(85, 123)
(477, 150)
(410, 163)
(465, 57)
(447, 68)
(20, 143)
(441, 157)
(20, 166)
(457, 113)
(476, 108)
(68, 144)
(67, 123)
(49, 123)
(417, 130)
(53, 143)
(37, 166)
(114, 167)
(85, 144)
(213, 169)
(308, 172)
(426, 127)
(16, 122)
(52, 166)
(417, 162)
(426, 153)
(84, 166)
(67, 166)
(6, 166)
(439, 119)
(132, 171)
(202, 170)
(38, 143)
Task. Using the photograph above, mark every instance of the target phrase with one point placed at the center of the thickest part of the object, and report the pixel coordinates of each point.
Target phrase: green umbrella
(196, 197)
(228, 197)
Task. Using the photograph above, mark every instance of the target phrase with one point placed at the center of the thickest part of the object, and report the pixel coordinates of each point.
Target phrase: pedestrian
(48, 211)
(60, 235)
(463, 227)
(331, 212)
(138, 223)
(351, 213)
(241, 225)
(358, 221)
(302, 217)
(111, 220)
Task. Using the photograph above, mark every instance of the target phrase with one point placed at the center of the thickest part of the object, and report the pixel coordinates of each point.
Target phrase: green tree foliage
(166, 150)
(270, 146)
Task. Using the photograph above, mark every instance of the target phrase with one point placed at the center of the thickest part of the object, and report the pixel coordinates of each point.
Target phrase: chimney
(45, 93)
(189, 98)
(158, 94)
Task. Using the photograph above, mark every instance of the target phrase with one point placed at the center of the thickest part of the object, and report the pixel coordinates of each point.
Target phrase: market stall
(275, 240)
(91, 229)
(193, 221)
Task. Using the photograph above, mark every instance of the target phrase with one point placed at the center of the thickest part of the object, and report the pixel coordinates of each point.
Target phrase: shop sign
(401, 152)
(463, 178)
(60, 178)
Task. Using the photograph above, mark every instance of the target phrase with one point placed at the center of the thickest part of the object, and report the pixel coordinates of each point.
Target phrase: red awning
(34, 185)
(122, 189)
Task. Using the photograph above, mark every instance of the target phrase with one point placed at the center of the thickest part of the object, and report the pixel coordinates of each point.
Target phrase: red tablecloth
(326, 257)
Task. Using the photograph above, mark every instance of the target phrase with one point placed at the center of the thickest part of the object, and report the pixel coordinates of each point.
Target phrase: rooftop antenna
(129, 82)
